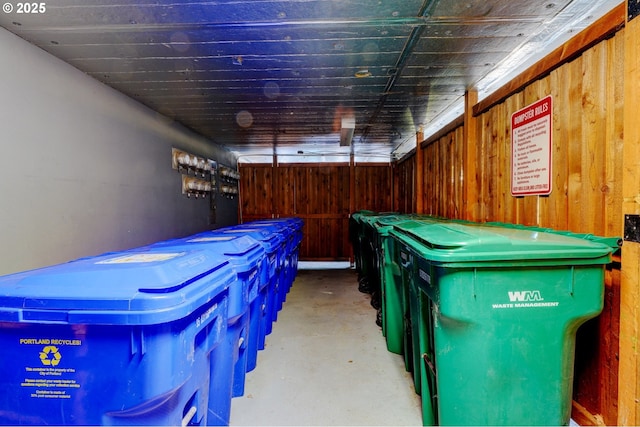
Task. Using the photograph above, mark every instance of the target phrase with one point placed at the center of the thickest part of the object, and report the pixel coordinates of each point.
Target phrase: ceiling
(257, 74)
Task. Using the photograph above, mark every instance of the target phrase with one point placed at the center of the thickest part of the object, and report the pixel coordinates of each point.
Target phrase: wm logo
(522, 296)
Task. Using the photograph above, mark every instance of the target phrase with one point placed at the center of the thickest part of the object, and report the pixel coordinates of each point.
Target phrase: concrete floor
(326, 362)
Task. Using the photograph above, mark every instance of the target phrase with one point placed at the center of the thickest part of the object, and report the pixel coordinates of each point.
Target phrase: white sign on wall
(531, 143)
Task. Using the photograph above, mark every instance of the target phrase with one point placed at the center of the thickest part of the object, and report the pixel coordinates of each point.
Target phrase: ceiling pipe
(407, 50)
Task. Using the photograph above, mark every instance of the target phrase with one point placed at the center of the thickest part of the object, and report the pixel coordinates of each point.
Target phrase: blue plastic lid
(131, 287)
(270, 240)
(223, 243)
(293, 222)
(284, 227)
(286, 233)
(243, 252)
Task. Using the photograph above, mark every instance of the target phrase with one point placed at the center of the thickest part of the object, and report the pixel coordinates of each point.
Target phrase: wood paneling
(256, 191)
(587, 142)
(373, 190)
(470, 178)
(419, 173)
(403, 183)
(443, 183)
(629, 393)
(320, 194)
(586, 187)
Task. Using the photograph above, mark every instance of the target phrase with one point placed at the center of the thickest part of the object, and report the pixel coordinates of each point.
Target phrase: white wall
(84, 169)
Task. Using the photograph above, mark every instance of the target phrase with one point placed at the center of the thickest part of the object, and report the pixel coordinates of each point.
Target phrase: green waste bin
(497, 312)
(395, 297)
(391, 285)
(411, 312)
(372, 252)
(355, 233)
(398, 300)
(410, 304)
(370, 259)
(359, 245)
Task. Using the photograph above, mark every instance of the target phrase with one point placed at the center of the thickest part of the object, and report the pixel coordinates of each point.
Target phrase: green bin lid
(451, 242)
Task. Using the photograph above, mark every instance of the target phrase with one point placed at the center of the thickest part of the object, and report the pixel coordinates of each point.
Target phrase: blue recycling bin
(125, 338)
(273, 245)
(285, 232)
(298, 233)
(292, 228)
(246, 297)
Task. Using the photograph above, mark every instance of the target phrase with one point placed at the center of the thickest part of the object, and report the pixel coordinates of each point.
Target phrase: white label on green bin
(525, 299)
(424, 276)
(156, 257)
(49, 379)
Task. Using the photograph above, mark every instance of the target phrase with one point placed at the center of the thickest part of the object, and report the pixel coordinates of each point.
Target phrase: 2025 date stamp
(25, 8)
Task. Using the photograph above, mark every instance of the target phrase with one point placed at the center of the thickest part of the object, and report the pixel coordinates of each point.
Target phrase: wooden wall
(373, 187)
(629, 352)
(443, 176)
(323, 195)
(256, 187)
(404, 200)
(588, 124)
(587, 149)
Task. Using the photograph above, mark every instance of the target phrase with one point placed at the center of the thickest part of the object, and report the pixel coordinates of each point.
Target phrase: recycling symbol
(50, 356)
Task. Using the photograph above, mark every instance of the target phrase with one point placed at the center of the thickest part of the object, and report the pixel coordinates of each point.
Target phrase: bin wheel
(364, 287)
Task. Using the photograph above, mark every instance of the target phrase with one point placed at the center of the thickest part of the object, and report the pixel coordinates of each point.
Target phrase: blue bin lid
(288, 225)
(129, 287)
(283, 228)
(243, 252)
(271, 226)
(286, 232)
(271, 241)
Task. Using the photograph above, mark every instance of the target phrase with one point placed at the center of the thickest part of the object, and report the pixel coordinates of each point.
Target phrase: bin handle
(429, 363)
(188, 416)
(405, 262)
